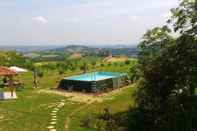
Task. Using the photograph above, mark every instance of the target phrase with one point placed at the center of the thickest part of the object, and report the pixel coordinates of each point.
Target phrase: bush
(87, 122)
(40, 73)
(115, 63)
(127, 62)
(61, 71)
(106, 122)
(102, 65)
(109, 64)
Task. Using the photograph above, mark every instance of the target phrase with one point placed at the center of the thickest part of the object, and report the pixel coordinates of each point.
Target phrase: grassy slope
(120, 103)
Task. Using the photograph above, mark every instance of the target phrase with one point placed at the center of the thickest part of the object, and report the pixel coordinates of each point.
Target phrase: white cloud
(40, 19)
(134, 18)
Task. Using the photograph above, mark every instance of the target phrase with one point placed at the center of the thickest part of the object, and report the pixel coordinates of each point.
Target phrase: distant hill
(70, 49)
(99, 50)
(88, 50)
(29, 48)
(75, 56)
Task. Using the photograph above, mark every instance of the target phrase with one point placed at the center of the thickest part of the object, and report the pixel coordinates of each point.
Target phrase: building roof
(4, 71)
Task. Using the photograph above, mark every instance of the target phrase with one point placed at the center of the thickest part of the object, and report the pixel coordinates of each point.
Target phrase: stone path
(53, 114)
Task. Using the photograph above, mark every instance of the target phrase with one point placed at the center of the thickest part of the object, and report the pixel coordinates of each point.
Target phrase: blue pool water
(94, 76)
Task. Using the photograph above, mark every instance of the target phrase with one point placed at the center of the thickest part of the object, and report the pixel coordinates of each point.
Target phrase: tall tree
(184, 17)
(167, 70)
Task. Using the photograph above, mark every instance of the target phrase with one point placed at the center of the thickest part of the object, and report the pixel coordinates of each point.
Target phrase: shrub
(40, 73)
(115, 63)
(61, 71)
(109, 64)
(127, 62)
(87, 121)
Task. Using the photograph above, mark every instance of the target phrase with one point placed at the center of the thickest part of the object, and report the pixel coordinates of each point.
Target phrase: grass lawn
(119, 103)
(31, 111)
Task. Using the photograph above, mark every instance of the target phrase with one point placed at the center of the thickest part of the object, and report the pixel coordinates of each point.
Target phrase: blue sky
(80, 21)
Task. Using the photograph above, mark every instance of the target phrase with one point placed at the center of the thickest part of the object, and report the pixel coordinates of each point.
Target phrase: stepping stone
(66, 126)
(53, 130)
(61, 103)
(50, 127)
(53, 123)
(59, 106)
(1, 117)
(63, 100)
(54, 111)
(53, 119)
(54, 116)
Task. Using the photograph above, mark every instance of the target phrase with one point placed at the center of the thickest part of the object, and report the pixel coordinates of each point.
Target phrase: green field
(31, 111)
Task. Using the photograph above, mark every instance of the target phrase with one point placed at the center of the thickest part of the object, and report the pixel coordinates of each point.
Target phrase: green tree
(167, 74)
(184, 17)
(127, 62)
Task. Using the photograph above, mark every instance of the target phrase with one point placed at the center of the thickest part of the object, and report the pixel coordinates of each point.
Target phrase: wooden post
(11, 85)
(35, 81)
(85, 68)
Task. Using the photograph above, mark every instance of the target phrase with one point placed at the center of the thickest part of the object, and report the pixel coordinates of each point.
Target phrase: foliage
(127, 62)
(167, 70)
(109, 64)
(133, 72)
(11, 58)
(39, 72)
(102, 64)
(184, 17)
(87, 121)
(104, 122)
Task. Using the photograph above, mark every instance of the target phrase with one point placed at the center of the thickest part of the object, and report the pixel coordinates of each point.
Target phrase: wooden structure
(4, 71)
(9, 83)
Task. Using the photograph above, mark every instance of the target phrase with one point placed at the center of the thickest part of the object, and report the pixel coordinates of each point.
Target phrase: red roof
(4, 71)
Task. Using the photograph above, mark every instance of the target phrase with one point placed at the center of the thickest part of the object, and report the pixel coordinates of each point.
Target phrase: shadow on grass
(135, 120)
(121, 121)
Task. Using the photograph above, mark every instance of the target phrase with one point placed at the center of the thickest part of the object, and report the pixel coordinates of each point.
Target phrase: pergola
(4, 71)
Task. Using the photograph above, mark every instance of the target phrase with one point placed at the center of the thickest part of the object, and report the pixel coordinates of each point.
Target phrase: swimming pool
(93, 82)
(94, 76)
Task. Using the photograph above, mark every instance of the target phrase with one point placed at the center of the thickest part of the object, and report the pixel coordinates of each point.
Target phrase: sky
(34, 22)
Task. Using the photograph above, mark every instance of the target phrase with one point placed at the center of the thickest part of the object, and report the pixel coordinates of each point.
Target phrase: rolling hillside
(102, 51)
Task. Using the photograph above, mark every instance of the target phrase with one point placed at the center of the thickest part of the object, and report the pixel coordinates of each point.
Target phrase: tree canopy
(167, 70)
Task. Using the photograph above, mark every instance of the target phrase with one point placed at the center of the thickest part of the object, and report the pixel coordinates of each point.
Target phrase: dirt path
(85, 98)
(73, 96)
